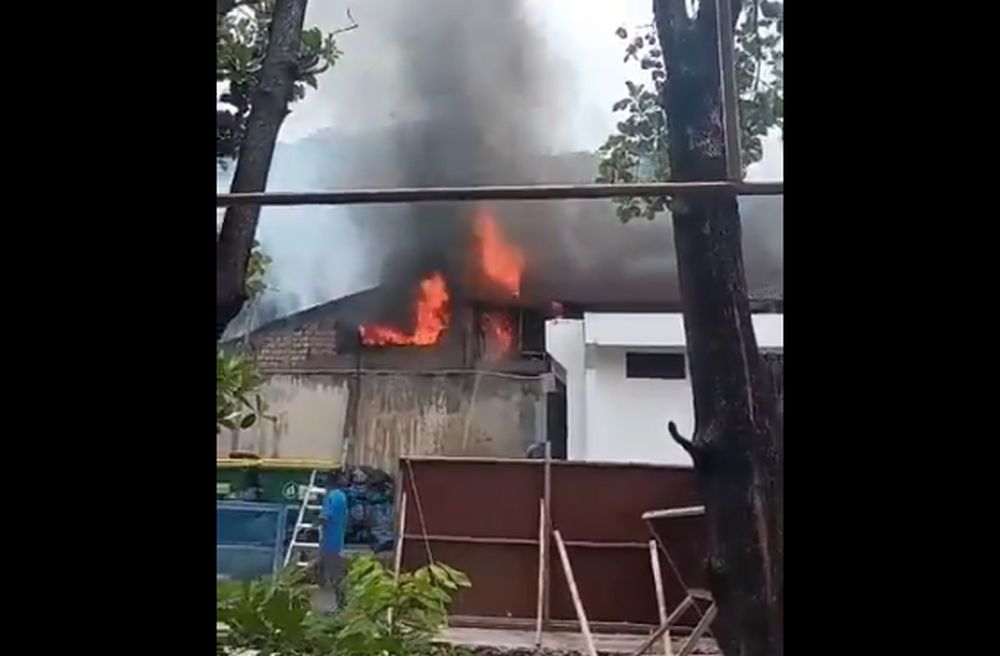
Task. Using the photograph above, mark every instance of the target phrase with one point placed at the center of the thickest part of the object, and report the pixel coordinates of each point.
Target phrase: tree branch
(352, 26)
(223, 7)
(685, 443)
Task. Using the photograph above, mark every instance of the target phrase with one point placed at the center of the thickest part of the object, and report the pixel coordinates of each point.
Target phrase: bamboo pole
(505, 192)
(397, 560)
(581, 616)
(540, 608)
(547, 492)
(661, 604)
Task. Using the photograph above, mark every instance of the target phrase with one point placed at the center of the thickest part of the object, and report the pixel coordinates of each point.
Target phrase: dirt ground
(518, 651)
(501, 642)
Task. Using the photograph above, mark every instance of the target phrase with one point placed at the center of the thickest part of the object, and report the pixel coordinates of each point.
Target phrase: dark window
(532, 333)
(655, 365)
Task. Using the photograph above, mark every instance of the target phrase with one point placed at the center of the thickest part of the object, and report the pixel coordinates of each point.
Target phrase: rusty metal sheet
(596, 503)
(504, 577)
(615, 585)
(474, 498)
(604, 503)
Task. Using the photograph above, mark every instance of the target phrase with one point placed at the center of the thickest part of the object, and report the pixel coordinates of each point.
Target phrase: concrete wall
(452, 414)
(627, 422)
(618, 419)
(564, 343)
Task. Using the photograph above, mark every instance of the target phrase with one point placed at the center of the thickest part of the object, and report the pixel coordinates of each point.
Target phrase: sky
(580, 38)
(316, 251)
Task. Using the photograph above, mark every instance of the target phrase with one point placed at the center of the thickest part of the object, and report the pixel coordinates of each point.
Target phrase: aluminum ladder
(308, 519)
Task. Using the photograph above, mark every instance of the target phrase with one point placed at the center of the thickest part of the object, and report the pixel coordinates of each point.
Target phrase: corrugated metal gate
(481, 516)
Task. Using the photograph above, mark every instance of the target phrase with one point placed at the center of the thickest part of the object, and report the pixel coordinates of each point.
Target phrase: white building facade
(626, 376)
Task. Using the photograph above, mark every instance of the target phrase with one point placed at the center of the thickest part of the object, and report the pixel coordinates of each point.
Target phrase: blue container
(249, 540)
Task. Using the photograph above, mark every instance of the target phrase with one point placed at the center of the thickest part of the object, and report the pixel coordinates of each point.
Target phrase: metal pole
(727, 82)
(494, 193)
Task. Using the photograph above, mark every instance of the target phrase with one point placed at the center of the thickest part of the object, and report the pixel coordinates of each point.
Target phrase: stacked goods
(370, 495)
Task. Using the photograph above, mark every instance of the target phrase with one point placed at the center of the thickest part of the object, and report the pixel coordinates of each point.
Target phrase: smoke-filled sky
(464, 92)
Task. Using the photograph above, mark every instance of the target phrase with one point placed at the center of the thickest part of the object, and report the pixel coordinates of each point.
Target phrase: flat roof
(666, 330)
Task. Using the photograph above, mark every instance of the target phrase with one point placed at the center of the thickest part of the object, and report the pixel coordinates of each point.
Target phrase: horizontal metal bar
(344, 371)
(462, 539)
(513, 192)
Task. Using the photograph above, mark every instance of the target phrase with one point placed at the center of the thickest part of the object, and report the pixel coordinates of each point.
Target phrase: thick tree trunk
(737, 444)
(269, 108)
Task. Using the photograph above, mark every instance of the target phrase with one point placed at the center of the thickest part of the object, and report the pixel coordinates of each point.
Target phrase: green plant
(238, 403)
(257, 268)
(380, 615)
(398, 617)
(272, 616)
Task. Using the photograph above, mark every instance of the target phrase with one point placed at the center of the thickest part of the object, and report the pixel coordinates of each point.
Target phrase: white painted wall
(564, 343)
(627, 417)
(619, 419)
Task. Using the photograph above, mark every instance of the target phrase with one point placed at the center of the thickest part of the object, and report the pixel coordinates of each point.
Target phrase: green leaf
(248, 421)
(312, 39)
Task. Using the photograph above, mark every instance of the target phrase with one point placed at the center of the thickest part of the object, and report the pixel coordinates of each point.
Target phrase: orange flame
(501, 262)
(498, 331)
(432, 319)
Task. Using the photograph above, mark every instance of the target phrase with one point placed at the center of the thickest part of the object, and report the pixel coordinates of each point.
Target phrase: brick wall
(301, 349)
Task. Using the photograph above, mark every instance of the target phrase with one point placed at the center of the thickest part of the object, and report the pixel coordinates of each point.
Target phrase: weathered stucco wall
(454, 414)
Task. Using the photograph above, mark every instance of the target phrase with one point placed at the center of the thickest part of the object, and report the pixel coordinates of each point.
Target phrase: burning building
(449, 357)
(450, 362)
(446, 355)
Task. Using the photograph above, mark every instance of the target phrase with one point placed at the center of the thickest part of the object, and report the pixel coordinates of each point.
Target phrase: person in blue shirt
(333, 527)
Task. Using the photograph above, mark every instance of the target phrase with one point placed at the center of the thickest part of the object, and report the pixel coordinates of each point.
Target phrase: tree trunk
(737, 443)
(269, 108)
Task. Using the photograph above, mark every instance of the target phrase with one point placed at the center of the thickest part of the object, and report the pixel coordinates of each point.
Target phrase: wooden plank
(699, 630)
(540, 611)
(527, 624)
(679, 611)
(661, 603)
(648, 642)
(575, 594)
(397, 560)
(690, 511)
(547, 496)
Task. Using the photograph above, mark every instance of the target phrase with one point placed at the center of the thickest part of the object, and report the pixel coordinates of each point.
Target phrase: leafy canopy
(639, 150)
(241, 42)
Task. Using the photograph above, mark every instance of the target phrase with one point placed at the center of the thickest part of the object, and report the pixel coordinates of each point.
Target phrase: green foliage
(379, 616)
(257, 265)
(238, 403)
(237, 380)
(272, 615)
(639, 151)
(241, 42)
(395, 617)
